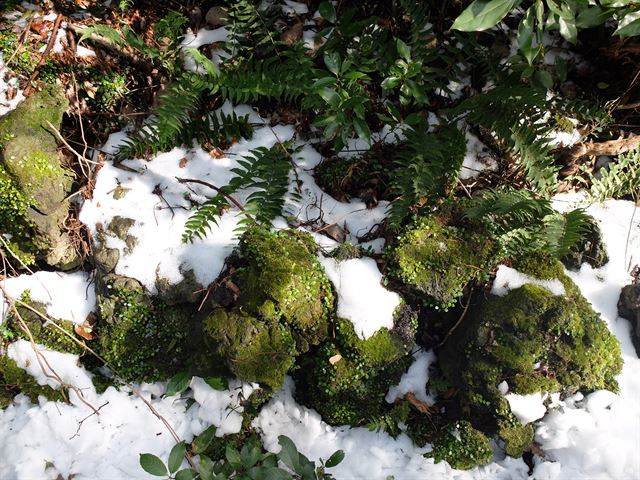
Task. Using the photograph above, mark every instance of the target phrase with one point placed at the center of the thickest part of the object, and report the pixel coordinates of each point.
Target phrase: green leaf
(217, 383)
(629, 25)
(202, 441)
(390, 83)
(330, 96)
(153, 465)
(592, 17)
(233, 457)
(288, 453)
(332, 60)
(335, 459)
(178, 383)
(403, 49)
(203, 61)
(568, 29)
(362, 129)
(175, 456)
(545, 79)
(483, 14)
(328, 11)
(205, 469)
(185, 474)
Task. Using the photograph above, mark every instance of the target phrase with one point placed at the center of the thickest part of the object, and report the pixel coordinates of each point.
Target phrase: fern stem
(220, 191)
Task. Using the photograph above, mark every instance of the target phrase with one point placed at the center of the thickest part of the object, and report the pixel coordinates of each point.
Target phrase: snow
(477, 159)
(7, 82)
(415, 379)
(361, 297)
(508, 278)
(527, 408)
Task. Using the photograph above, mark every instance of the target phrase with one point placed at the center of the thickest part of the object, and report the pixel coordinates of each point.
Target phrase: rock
(591, 249)
(292, 35)
(186, 290)
(216, 16)
(33, 185)
(119, 226)
(629, 308)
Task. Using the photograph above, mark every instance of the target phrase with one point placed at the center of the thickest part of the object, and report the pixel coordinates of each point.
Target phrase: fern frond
(620, 179)
(265, 173)
(426, 166)
(561, 231)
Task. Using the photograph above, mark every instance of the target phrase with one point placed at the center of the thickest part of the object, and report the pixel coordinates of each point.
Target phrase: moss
(462, 446)
(44, 333)
(517, 438)
(141, 337)
(14, 380)
(533, 340)
(280, 278)
(346, 251)
(13, 218)
(346, 379)
(255, 351)
(435, 261)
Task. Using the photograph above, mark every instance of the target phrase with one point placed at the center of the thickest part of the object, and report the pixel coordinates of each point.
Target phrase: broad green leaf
(153, 465)
(561, 68)
(332, 61)
(592, 17)
(330, 96)
(390, 83)
(288, 453)
(545, 79)
(525, 35)
(568, 29)
(403, 49)
(323, 82)
(335, 459)
(175, 456)
(185, 474)
(217, 383)
(178, 383)
(269, 473)
(483, 14)
(539, 6)
(205, 468)
(104, 31)
(233, 457)
(328, 11)
(629, 25)
(202, 441)
(362, 129)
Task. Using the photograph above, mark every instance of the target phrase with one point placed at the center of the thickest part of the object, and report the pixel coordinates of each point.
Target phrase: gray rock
(216, 17)
(591, 249)
(629, 308)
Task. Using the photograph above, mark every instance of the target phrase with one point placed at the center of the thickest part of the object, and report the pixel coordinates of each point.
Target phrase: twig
(464, 312)
(219, 190)
(22, 40)
(77, 434)
(66, 144)
(50, 44)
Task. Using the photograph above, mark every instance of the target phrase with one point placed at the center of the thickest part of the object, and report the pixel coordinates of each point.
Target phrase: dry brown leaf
(335, 359)
(419, 405)
(216, 153)
(183, 162)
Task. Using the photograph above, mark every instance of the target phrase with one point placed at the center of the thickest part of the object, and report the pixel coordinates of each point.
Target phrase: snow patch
(508, 279)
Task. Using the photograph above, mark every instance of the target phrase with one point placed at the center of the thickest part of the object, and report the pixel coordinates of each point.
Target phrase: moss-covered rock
(532, 339)
(14, 380)
(275, 303)
(462, 446)
(590, 249)
(30, 166)
(347, 378)
(517, 437)
(255, 350)
(139, 336)
(435, 261)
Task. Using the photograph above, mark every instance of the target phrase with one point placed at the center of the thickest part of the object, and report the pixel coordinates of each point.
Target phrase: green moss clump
(13, 218)
(462, 446)
(280, 278)
(14, 380)
(346, 379)
(517, 437)
(43, 333)
(535, 341)
(255, 351)
(142, 338)
(435, 261)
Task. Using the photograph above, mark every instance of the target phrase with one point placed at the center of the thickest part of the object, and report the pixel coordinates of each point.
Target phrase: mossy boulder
(434, 260)
(532, 339)
(141, 337)
(461, 446)
(346, 379)
(275, 303)
(589, 249)
(15, 380)
(33, 185)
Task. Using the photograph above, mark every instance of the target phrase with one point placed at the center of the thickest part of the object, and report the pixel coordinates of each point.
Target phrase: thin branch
(50, 44)
(219, 190)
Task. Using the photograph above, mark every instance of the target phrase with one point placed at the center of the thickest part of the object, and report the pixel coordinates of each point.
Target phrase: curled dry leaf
(85, 330)
(183, 162)
(419, 405)
(216, 153)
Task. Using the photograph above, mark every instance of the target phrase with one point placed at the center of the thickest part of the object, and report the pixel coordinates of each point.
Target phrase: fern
(516, 114)
(265, 172)
(250, 28)
(522, 223)
(426, 167)
(620, 179)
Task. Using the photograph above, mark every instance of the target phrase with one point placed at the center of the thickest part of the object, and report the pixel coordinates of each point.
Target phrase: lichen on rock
(33, 185)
